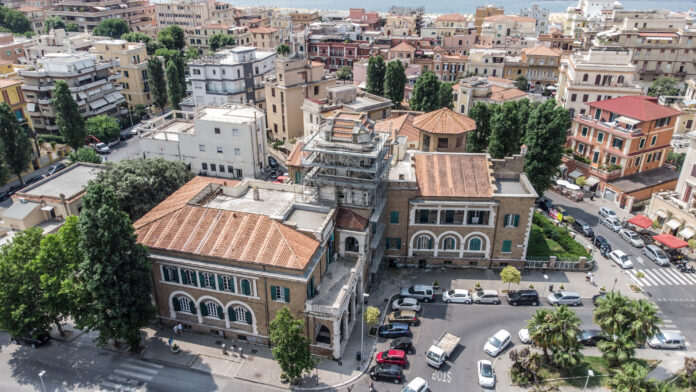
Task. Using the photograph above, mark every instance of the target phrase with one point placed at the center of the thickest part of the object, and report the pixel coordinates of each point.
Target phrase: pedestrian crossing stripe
(662, 277)
(130, 376)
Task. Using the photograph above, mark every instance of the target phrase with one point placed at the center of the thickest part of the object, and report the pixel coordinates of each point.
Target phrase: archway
(352, 245)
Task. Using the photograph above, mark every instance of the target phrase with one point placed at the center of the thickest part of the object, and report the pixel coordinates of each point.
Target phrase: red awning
(670, 241)
(641, 221)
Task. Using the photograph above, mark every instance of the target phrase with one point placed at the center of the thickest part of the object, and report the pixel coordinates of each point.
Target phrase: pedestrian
(241, 352)
(592, 280)
(224, 349)
(176, 329)
(171, 340)
(180, 329)
(372, 386)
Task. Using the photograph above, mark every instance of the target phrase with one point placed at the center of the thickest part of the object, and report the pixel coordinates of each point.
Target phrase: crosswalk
(661, 277)
(130, 376)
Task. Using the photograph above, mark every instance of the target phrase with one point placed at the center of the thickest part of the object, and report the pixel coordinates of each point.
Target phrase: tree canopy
(477, 141)
(113, 28)
(290, 345)
(426, 93)
(556, 333)
(664, 85)
(172, 37)
(510, 275)
(174, 88)
(218, 41)
(345, 73)
(14, 21)
(191, 54)
(15, 146)
(376, 71)
(103, 127)
(395, 82)
(521, 83)
(84, 154)
(158, 85)
(283, 49)
(70, 123)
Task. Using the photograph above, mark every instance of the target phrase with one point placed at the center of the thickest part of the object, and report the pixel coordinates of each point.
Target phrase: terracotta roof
(455, 17)
(403, 47)
(263, 30)
(555, 31)
(506, 94)
(295, 156)
(444, 121)
(9, 82)
(495, 79)
(669, 35)
(399, 126)
(499, 18)
(27, 8)
(215, 26)
(542, 50)
(176, 226)
(639, 107)
(453, 175)
(351, 220)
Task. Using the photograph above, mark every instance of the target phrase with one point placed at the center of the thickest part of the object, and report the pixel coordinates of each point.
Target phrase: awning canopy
(687, 233)
(575, 174)
(661, 214)
(670, 241)
(641, 221)
(47, 208)
(592, 181)
(673, 224)
(98, 103)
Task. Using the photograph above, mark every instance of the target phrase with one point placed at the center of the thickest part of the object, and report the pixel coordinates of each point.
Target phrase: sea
(463, 7)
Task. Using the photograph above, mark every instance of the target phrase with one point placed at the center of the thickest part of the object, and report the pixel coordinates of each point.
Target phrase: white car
(486, 374)
(621, 258)
(524, 336)
(632, 238)
(612, 223)
(497, 343)
(654, 253)
(667, 340)
(416, 385)
(406, 304)
(457, 296)
(607, 212)
(102, 148)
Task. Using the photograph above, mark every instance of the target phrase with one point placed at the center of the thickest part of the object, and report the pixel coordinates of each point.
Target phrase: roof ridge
(287, 243)
(207, 233)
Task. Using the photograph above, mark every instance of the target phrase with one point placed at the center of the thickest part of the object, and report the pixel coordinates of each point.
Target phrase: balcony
(338, 284)
(602, 172)
(607, 126)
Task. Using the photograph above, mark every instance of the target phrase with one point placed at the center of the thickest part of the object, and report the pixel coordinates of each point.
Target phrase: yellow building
(132, 68)
(11, 94)
(265, 37)
(6, 67)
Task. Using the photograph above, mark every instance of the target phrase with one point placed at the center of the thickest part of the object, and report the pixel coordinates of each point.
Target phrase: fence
(551, 263)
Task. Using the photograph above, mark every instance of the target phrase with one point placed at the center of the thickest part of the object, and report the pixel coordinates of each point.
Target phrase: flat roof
(19, 210)
(510, 186)
(306, 219)
(271, 202)
(178, 126)
(234, 115)
(649, 178)
(69, 182)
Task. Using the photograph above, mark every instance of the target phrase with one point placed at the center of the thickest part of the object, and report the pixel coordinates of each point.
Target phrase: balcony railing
(610, 126)
(606, 174)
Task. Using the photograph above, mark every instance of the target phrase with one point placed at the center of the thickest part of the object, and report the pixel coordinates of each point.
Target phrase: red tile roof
(453, 175)
(403, 46)
(541, 50)
(456, 17)
(295, 156)
(351, 220)
(639, 107)
(399, 126)
(444, 121)
(263, 30)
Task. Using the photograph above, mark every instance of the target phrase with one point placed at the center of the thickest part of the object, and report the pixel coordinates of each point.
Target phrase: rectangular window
(658, 156)
(507, 246)
(394, 217)
(235, 132)
(585, 97)
(573, 97)
(229, 168)
(637, 161)
(581, 148)
(650, 156)
(316, 90)
(393, 243)
(512, 220)
(217, 131)
(204, 166)
(280, 294)
(219, 149)
(641, 143)
(583, 132)
(237, 151)
(595, 157)
(600, 137)
(653, 140)
(221, 168)
(201, 147)
(213, 167)
(617, 143)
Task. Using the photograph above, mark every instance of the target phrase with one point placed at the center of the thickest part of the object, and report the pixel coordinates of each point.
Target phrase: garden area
(547, 239)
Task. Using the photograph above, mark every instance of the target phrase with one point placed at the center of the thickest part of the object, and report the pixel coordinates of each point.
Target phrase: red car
(396, 357)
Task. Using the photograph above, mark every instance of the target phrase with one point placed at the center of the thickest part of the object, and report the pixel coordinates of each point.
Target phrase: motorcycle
(686, 269)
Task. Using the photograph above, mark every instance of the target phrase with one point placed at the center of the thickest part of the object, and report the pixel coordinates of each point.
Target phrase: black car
(403, 344)
(55, 169)
(34, 342)
(387, 371)
(597, 297)
(272, 163)
(602, 244)
(544, 204)
(583, 228)
(13, 189)
(394, 330)
(32, 180)
(4, 196)
(591, 337)
(523, 297)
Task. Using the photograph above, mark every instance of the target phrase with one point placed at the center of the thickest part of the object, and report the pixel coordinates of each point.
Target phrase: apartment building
(226, 141)
(200, 36)
(231, 76)
(483, 12)
(400, 25)
(12, 48)
(56, 41)
(686, 104)
(189, 14)
(132, 59)
(11, 94)
(296, 79)
(600, 73)
(265, 38)
(87, 14)
(620, 147)
(488, 90)
(540, 15)
(556, 40)
(539, 65)
(461, 42)
(449, 24)
(505, 29)
(447, 67)
(486, 62)
(91, 82)
(336, 45)
(36, 16)
(368, 20)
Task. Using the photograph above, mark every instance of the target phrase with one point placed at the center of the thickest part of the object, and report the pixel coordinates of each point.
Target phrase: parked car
(602, 244)
(114, 142)
(33, 341)
(632, 238)
(486, 375)
(524, 336)
(497, 343)
(597, 297)
(55, 169)
(667, 340)
(612, 223)
(32, 180)
(621, 258)
(272, 163)
(486, 297)
(565, 298)
(523, 297)
(420, 292)
(416, 385)
(607, 212)
(14, 189)
(395, 357)
(403, 344)
(457, 296)
(583, 228)
(565, 217)
(102, 148)
(544, 204)
(134, 131)
(387, 371)
(591, 337)
(4, 196)
(406, 304)
(403, 316)
(394, 330)
(654, 253)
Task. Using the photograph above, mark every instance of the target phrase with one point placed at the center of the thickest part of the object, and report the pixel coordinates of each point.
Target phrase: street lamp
(612, 287)
(590, 373)
(546, 280)
(41, 374)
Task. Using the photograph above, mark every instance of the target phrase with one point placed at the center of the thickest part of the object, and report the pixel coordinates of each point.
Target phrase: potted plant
(561, 287)
(531, 286)
(284, 378)
(602, 289)
(436, 285)
(478, 286)
(175, 348)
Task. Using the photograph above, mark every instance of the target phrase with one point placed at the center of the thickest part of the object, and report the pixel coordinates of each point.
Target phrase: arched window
(449, 243)
(184, 304)
(352, 245)
(424, 242)
(597, 80)
(212, 309)
(240, 315)
(246, 287)
(585, 77)
(226, 283)
(620, 80)
(189, 277)
(475, 243)
(208, 280)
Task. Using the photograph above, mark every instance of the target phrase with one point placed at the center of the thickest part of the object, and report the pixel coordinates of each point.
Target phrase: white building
(227, 141)
(541, 15)
(486, 62)
(230, 76)
(57, 41)
(598, 74)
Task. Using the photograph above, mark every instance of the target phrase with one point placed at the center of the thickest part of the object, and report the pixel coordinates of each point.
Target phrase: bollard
(224, 349)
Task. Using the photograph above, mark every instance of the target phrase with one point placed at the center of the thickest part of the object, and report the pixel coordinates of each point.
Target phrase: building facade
(488, 90)
(189, 14)
(539, 65)
(266, 38)
(486, 62)
(540, 15)
(484, 12)
(88, 14)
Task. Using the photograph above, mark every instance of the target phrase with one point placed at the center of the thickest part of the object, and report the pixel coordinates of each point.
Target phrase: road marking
(140, 368)
(640, 260)
(651, 275)
(117, 387)
(639, 281)
(675, 276)
(154, 365)
(667, 276)
(133, 374)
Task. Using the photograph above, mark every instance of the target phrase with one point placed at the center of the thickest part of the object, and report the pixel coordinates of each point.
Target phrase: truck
(441, 349)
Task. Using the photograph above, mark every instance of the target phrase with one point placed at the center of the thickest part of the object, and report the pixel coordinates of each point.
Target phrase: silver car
(654, 253)
(612, 223)
(565, 298)
(632, 237)
(486, 297)
(667, 340)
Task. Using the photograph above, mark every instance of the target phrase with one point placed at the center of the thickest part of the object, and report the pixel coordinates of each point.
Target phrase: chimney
(255, 193)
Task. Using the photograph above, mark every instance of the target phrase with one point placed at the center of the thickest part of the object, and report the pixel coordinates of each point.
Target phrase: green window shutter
(231, 285)
(184, 277)
(430, 243)
(176, 275)
(517, 220)
(507, 246)
(394, 217)
(204, 310)
(221, 315)
(192, 305)
(387, 242)
(213, 283)
(287, 294)
(221, 287)
(246, 287)
(165, 274)
(194, 280)
(201, 278)
(398, 243)
(175, 302)
(248, 317)
(232, 313)
(273, 293)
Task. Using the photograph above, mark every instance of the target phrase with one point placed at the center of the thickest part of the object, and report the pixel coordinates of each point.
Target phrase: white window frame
(454, 243)
(219, 149)
(212, 309)
(184, 304)
(201, 147)
(237, 151)
(422, 242)
(279, 294)
(208, 280)
(190, 276)
(240, 313)
(227, 282)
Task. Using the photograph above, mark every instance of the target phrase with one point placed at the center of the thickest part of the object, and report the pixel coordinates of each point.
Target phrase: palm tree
(617, 350)
(646, 322)
(539, 327)
(565, 327)
(612, 312)
(630, 378)
(662, 387)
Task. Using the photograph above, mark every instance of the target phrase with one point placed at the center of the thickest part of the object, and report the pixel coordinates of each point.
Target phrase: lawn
(540, 246)
(599, 367)
(547, 239)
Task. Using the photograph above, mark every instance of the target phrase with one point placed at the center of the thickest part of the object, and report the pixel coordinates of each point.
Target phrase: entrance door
(609, 195)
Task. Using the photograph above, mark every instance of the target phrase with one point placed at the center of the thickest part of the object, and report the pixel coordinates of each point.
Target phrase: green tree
(283, 50)
(53, 23)
(172, 37)
(477, 141)
(565, 327)
(116, 270)
(617, 349)
(191, 54)
(140, 111)
(15, 146)
(521, 83)
(523, 108)
(136, 36)
(103, 127)
(113, 28)
(158, 85)
(395, 82)
(218, 41)
(14, 21)
(141, 184)
(372, 316)
(645, 323)
(345, 73)
(426, 93)
(376, 71)
(173, 85)
(446, 95)
(290, 345)
(546, 134)
(504, 139)
(70, 123)
(84, 154)
(631, 377)
(540, 330)
(72, 27)
(676, 159)
(510, 275)
(664, 85)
